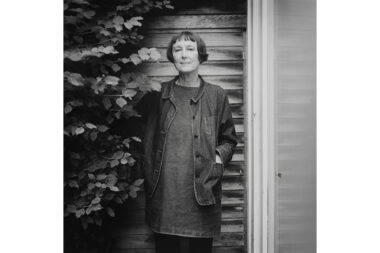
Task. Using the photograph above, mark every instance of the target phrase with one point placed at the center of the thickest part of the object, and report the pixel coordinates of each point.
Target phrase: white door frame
(259, 124)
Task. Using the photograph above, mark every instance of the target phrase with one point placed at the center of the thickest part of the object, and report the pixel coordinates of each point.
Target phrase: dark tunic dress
(173, 208)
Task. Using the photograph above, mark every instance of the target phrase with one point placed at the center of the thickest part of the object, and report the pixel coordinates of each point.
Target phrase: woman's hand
(217, 159)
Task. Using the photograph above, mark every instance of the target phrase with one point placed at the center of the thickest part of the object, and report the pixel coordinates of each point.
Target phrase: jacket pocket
(217, 174)
(218, 169)
(210, 124)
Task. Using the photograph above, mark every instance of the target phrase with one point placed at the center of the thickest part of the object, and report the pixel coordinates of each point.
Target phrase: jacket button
(193, 116)
(195, 136)
(197, 155)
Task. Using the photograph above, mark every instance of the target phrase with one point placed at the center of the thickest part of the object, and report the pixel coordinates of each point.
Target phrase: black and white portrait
(189, 126)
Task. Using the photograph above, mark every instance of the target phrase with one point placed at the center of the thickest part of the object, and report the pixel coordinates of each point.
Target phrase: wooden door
(221, 26)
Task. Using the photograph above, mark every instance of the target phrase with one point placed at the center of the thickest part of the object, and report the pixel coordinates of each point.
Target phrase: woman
(189, 138)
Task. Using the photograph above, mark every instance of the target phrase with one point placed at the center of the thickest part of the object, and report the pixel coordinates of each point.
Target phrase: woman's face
(185, 55)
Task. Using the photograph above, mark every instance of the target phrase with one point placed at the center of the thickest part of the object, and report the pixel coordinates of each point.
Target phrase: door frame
(259, 127)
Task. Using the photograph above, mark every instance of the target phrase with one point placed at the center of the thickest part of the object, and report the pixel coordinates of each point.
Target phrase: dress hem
(201, 235)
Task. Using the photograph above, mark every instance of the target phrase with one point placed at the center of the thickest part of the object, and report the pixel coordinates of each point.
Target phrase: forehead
(183, 42)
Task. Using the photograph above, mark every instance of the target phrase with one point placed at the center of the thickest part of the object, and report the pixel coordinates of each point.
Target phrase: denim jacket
(213, 131)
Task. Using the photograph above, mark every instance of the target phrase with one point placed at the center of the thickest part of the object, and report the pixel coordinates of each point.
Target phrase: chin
(186, 70)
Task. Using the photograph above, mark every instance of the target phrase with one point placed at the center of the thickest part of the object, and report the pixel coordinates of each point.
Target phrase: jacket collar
(168, 91)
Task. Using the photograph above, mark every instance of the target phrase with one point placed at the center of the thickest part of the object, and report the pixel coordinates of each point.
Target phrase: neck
(189, 79)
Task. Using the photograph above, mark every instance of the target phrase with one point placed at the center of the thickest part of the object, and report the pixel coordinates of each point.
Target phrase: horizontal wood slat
(237, 111)
(207, 68)
(232, 183)
(212, 39)
(235, 168)
(196, 21)
(214, 8)
(215, 53)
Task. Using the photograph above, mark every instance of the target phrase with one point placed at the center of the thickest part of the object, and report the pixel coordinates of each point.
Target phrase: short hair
(187, 35)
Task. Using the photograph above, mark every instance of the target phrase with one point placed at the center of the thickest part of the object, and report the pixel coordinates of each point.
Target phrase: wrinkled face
(185, 55)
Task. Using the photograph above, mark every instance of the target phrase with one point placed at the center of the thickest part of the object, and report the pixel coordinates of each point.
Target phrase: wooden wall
(295, 83)
(222, 27)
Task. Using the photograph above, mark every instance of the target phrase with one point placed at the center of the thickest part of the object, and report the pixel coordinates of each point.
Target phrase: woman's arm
(227, 138)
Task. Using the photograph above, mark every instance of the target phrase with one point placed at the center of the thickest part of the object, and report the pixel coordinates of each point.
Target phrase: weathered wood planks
(207, 68)
(217, 21)
(215, 53)
(212, 39)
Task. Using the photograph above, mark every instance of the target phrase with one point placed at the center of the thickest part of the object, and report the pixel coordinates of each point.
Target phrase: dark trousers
(179, 244)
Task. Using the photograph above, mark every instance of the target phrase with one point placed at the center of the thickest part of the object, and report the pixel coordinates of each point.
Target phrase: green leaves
(90, 126)
(110, 212)
(154, 54)
(88, 14)
(114, 163)
(135, 21)
(68, 109)
(149, 54)
(129, 93)
(81, 54)
(137, 139)
(96, 200)
(121, 102)
(79, 130)
(103, 128)
(114, 188)
(135, 59)
(100, 90)
(80, 212)
(138, 182)
(118, 20)
(144, 53)
(115, 67)
(71, 208)
(80, 2)
(111, 80)
(74, 78)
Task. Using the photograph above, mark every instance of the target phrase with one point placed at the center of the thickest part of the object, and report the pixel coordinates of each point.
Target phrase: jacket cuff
(220, 151)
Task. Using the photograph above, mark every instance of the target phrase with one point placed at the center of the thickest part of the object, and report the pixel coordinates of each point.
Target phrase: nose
(184, 53)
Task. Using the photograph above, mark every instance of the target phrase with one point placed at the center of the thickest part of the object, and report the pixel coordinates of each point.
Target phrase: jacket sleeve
(227, 138)
(148, 109)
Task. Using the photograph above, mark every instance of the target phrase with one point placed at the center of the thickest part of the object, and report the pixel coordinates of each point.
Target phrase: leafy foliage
(101, 88)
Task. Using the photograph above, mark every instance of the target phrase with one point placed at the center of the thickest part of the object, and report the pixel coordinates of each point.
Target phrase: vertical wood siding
(295, 82)
(223, 35)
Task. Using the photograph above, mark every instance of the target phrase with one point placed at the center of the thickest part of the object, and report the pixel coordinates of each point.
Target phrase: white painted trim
(259, 127)
(248, 140)
(269, 122)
